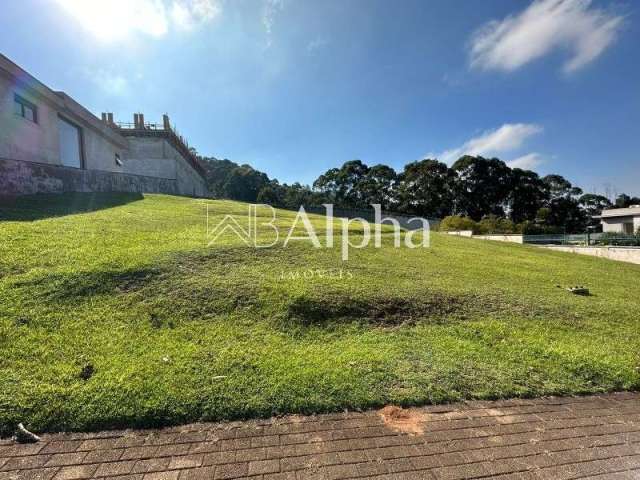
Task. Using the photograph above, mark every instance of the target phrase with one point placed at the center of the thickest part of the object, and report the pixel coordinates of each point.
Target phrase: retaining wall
(501, 238)
(621, 254)
(24, 178)
(498, 238)
(461, 233)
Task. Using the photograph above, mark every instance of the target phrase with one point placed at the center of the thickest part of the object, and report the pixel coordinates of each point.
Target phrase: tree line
(474, 188)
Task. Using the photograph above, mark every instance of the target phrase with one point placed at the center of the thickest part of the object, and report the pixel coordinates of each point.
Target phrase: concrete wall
(158, 157)
(18, 177)
(615, 224)
(100, 142)
(22, 140)
(501, 238)
(498, 237)
(189, 182)
(621, 254)
(100, 153)
(147, 155)
(461, 233)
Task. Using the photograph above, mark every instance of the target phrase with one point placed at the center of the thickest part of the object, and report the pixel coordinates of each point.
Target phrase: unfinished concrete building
(49, 143)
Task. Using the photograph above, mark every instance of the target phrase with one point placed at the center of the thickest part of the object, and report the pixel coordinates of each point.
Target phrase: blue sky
(295, 87)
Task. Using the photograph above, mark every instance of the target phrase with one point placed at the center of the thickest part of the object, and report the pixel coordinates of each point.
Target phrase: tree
(563, 204)
(625, 201)
(290, 196)
(528, 193)
(474, 186)
(379, 186)
(297, 195)
(343, 185)
(272, 194)
(566, 213)
(427, 188)
(482, 186)
(593, 205)
(492, 224)
(244, 183)
(560, 187)
(457, 223)
(217, 172)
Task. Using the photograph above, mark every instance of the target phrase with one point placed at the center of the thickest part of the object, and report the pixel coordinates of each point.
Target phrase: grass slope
(177, 331)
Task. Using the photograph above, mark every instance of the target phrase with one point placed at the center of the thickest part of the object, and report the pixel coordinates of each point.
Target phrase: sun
(116, 19)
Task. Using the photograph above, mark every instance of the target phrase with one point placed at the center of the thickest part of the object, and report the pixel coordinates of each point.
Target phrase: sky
(295, 87)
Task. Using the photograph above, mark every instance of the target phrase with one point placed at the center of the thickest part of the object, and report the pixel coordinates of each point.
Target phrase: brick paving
(596, 437)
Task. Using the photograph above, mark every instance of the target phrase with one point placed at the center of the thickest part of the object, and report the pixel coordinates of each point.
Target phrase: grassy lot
(175, 331)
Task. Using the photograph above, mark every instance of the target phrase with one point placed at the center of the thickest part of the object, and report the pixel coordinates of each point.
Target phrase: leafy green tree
(559, 187)
(244, 183)
(426, 188)
(492, 224)
(457, 223)
(379, 186)
(564, 205)
(343, 185)
(290, 196)
(486, 190)
(625, 201)
(272, 194)
(297, 195)
(528, 193)
(482, 186)
(593, 205)
(217, 172)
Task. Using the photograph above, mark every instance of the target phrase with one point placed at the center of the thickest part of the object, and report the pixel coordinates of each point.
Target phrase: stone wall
(23, 178)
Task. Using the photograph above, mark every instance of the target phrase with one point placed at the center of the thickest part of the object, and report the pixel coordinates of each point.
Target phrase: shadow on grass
(28, 208)
(68, 287)
(384, 310)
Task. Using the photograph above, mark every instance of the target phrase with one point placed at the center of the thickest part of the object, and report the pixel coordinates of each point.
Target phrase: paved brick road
(554, 438)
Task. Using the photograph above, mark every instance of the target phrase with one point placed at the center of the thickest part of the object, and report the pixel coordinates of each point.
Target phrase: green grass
(177, 331)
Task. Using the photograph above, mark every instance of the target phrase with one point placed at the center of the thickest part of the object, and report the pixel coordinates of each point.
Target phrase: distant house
(50, 143)
(621, 220)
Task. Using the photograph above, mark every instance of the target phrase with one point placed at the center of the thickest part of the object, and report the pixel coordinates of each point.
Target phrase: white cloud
(508, 137)
(270, 10)
(544, 26)
(527, 162)
(114, 20)
(190, 14)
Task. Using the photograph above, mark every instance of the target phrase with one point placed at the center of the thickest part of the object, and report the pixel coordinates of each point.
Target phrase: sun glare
(114, 19)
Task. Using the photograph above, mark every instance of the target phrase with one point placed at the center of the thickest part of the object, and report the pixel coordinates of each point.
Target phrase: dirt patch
(409, 421)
